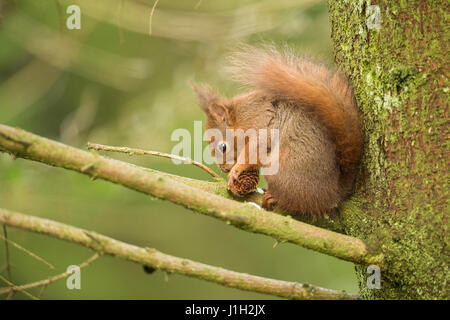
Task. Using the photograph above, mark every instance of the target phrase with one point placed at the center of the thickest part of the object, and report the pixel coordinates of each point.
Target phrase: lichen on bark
(400, 77)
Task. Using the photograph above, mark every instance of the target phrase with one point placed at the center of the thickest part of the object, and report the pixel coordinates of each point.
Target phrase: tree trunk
(400, 76)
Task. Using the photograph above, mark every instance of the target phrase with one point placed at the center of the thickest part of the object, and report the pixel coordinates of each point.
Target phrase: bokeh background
(123, 79)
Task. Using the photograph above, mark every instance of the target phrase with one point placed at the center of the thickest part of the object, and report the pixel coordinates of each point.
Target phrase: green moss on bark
(399, 76)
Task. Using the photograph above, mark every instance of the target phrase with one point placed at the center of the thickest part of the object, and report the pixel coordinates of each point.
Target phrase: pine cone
(247, 182)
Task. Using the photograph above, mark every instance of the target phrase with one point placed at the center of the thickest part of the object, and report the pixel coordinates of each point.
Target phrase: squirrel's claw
(232, 179)
(268, 202)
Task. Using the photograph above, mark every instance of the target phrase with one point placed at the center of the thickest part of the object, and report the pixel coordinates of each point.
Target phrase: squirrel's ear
(212, 104)
(206, 96)
(219, 112)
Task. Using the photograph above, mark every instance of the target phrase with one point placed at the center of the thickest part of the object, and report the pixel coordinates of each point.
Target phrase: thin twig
(42, 290)
(49, 280)
(8, 266)
(18, 246)
(12, 289)
(151, 18)
(132, 151)
(155, 259)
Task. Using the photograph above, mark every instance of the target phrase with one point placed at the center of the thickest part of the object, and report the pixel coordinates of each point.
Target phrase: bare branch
(160, 185)
(5, 238)
(11, 290)
(31, 254)
(155, 259)
(150, 23)
(132, 151)
(44, 283)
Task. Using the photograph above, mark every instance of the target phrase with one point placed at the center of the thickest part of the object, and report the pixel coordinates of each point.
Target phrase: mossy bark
(400, 76)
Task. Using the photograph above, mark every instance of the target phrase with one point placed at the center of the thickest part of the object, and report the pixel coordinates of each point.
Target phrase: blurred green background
(120, 81)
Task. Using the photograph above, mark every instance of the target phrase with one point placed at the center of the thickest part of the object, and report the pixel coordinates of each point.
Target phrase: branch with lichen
(155, 259)
(326, 221)
(203, 197)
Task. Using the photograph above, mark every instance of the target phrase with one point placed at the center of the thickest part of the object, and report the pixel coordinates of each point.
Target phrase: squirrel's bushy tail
(326, 95)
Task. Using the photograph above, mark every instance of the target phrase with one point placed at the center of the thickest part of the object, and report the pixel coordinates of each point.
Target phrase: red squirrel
(315, 112)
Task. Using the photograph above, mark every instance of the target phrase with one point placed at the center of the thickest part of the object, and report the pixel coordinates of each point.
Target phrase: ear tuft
(206, 95)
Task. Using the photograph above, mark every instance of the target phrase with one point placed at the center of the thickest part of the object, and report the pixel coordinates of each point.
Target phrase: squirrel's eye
(223, 147)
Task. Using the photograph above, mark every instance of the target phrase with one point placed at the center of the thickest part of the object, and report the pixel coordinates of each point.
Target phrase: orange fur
(327, 96)
(315, 111)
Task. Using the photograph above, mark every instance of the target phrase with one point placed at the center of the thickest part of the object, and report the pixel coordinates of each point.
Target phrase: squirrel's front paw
(268, 202)
(233, 176)
(242, 181)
